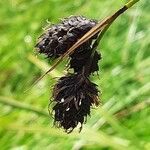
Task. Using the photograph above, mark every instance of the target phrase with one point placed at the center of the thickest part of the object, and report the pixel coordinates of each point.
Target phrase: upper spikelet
(59, 38)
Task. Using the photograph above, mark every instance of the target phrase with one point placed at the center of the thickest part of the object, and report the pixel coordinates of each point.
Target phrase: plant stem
(136, 108)
(16, 104)
(131, 3)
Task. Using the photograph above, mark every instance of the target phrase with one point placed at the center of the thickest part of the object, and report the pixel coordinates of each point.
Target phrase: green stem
(16, 104)
(131, 3)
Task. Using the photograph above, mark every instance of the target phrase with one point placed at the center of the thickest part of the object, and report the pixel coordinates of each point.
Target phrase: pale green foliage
(123, 80)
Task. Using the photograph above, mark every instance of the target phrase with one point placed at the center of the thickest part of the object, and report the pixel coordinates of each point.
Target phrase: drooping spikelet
(74, 95)
(59, 38)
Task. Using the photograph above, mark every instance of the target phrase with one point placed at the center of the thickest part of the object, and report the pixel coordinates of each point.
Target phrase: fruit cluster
(74, 93)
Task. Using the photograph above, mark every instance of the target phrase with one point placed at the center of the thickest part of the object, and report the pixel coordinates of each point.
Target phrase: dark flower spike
(74, 95)
(59, 38)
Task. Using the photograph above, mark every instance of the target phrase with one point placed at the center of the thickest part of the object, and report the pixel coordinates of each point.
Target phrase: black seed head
(59, 38)
(74, 95)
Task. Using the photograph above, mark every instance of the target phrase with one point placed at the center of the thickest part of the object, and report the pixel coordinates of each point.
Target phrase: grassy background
(122, 122)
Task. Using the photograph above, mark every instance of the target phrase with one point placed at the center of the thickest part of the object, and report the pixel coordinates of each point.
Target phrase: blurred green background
(122, 122)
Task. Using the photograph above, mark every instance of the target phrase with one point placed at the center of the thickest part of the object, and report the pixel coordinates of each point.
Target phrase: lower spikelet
(74, 95)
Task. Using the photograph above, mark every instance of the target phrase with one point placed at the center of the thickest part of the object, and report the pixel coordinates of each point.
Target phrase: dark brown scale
(63, 36)
(83, 58)
(74, 101)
